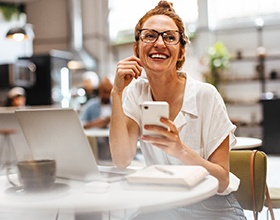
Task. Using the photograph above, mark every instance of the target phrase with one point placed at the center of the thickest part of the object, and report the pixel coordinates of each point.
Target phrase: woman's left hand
(169, 139)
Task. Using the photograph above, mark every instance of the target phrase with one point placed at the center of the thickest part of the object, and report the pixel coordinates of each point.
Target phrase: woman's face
(159, 56)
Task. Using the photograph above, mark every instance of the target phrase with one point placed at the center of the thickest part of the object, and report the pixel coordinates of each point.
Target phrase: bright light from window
(124, 14)
(64, 74)
(240, 8)
(221, 11)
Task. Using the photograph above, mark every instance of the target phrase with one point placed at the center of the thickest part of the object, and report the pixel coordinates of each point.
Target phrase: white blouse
(203, 122)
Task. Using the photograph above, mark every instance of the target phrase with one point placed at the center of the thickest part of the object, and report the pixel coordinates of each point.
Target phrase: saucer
(55, 190)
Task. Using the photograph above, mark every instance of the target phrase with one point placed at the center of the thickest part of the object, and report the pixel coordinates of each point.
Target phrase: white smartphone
(151, 112)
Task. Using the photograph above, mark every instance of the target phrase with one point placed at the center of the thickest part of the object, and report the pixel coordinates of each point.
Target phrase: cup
(35, 175)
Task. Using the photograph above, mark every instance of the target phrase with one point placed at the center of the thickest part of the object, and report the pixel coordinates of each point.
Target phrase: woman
(200, 132)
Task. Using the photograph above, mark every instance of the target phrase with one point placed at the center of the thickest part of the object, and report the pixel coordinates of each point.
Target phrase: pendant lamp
(17, 34)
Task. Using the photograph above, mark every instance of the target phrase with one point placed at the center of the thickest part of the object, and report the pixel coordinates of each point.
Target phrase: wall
(50, 22)
(52, 28)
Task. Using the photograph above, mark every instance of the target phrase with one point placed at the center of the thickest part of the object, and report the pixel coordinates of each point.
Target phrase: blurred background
(234, 45)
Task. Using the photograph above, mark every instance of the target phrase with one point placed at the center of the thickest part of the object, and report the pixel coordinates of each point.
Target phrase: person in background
(90, 84)
(96, 113)
(16, 97)
(200, 131)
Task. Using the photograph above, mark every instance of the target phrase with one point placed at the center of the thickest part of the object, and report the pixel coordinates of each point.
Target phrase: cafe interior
(234, 46)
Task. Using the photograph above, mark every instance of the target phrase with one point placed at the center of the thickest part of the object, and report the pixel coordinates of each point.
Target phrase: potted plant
(8, 11)
(219, 58)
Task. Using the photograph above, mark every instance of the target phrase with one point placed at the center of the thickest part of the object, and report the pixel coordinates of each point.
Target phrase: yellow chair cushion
(240, 166)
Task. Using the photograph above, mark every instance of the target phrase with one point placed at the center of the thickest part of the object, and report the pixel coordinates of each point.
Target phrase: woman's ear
(182, 54)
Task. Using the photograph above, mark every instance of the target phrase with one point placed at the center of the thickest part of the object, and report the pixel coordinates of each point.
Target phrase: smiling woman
(198, 130)
(121, 22)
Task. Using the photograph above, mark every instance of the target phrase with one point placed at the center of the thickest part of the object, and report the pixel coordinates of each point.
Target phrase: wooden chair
(251, 192)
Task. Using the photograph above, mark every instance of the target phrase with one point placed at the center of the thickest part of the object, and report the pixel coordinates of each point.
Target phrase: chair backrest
(240, 166)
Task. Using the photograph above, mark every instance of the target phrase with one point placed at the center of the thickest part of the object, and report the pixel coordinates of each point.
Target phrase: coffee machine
(45, 77)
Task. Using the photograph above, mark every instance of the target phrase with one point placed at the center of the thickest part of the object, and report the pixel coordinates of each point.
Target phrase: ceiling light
(17, 34)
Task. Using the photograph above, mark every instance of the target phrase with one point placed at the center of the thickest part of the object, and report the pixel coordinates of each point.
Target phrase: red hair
(163, 8)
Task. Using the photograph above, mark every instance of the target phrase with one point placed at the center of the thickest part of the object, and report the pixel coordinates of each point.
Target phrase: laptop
(58, 133)
(13, 147)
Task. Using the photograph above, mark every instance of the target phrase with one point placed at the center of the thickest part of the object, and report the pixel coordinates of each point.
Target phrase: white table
(76, 199)
(97, 132)
(247, 143)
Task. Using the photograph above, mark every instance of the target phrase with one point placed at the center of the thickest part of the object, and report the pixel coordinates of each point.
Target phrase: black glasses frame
(160, 34)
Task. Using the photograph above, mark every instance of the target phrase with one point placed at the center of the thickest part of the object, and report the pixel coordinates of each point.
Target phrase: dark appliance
(271, 126)
(5, 70)
(40, 75)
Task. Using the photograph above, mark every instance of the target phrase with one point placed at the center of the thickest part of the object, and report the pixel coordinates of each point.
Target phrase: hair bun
(166, 5)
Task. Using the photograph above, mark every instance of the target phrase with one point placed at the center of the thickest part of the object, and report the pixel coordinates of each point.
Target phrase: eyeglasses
(171, 37)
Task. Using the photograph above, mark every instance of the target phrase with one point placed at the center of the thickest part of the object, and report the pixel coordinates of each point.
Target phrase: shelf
(243, 86)
(241, 103)
(244, 124)
(247, 130)
(248, 80)
(256, 58)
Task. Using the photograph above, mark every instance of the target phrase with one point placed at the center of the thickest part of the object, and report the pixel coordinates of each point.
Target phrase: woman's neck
(168, 89)
(171, 91)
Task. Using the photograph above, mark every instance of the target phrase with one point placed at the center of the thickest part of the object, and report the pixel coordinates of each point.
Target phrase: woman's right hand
(127, 69)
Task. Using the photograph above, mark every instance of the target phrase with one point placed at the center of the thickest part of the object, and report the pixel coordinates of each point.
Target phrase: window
(242, 12)
(124, 14)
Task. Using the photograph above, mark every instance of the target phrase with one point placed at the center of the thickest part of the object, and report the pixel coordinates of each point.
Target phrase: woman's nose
(160, 41)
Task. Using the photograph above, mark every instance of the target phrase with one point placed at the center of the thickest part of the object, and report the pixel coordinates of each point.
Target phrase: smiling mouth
(158, 56)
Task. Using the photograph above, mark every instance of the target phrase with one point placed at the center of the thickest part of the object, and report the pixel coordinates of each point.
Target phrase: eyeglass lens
(151, 36)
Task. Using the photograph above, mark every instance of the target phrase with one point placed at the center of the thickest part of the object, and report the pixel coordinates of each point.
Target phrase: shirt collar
(190, 101)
